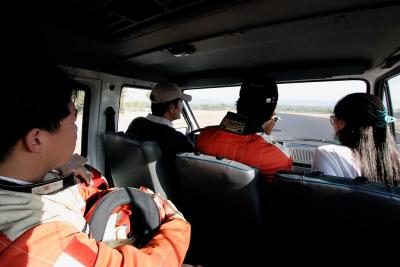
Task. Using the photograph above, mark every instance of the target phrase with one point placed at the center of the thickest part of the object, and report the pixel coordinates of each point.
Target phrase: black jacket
(170, 140)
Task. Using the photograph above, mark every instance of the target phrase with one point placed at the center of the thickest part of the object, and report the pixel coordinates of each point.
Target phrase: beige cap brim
(186, 97)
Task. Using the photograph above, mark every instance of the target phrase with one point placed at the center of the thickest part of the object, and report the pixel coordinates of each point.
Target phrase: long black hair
(367, 133)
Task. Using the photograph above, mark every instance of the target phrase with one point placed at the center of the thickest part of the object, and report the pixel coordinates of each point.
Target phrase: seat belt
(110, 120)
(110, 128)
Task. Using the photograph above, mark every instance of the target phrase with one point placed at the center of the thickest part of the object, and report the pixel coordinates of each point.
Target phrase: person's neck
(22, 168)
(168, 116)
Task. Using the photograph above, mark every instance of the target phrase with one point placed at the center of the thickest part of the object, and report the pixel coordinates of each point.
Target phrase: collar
(159, 120)
(14, 181)
(238, 124)
(41, 188)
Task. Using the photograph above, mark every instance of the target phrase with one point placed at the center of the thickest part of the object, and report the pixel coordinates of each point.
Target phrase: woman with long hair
(365, 147)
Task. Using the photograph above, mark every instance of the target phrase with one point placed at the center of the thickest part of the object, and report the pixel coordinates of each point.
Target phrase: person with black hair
(166, 106)
(42, 223)
(245, 136)
(365, 146)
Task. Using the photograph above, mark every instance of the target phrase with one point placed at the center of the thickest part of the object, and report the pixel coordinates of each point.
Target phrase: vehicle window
(79, 102)
(135, 102)
(303, 107)
(394, 91)
(210, 105)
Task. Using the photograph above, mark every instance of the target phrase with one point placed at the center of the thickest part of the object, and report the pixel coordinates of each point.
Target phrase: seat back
(317, 201)
(222, 202)
(136, 163)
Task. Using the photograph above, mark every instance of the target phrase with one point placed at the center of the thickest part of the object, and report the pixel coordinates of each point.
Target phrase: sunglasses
(332, 119)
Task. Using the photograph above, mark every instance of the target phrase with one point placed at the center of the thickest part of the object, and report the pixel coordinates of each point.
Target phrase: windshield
(304, 108)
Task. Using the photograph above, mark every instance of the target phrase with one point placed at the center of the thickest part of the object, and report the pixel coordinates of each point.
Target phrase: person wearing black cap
(166, 106)
(245, 136)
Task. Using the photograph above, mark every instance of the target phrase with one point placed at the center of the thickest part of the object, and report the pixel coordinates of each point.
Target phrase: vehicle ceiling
(290, 39)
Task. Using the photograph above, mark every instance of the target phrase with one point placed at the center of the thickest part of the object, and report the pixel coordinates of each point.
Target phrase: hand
(269, 125)
(166, 208)
(76, 165)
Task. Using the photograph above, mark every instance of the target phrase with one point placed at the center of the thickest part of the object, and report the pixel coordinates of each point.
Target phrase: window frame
(382, 89)
(85, 118)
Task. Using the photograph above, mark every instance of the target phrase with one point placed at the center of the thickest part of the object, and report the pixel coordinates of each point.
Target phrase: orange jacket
(237, 139)
(46, 231)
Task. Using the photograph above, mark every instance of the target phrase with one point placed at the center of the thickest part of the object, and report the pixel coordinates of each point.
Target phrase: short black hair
(35, 93)
(258, 98)
(160, 109)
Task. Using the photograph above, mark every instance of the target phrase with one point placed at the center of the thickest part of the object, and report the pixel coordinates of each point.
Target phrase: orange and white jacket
(239, 139)
(47, 230)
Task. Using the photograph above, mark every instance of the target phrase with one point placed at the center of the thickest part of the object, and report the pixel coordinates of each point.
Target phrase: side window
(394, 98)
(135, 102)
(79, 102)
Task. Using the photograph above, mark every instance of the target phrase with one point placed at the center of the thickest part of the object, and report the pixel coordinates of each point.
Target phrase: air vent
(302, 155)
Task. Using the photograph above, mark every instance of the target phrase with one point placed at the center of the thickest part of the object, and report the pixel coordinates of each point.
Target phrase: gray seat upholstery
(222, 203)
(136, 163)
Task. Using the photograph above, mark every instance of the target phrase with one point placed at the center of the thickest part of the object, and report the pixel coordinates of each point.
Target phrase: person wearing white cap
(166, 106)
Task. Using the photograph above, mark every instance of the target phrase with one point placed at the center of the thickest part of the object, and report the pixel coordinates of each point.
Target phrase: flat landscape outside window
(305, 107)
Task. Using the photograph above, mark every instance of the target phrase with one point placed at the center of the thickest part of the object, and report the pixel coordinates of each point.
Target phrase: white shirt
(336, 160)
(159, 120)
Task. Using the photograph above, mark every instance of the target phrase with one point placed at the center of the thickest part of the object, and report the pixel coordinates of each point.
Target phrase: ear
(34, 140)
(171, 108)
(340, 124)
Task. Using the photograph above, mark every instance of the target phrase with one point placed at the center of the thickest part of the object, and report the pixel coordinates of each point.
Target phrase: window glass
(304, 107)
(210, 105)
(394, 88)
(135, 102)
(79, 102)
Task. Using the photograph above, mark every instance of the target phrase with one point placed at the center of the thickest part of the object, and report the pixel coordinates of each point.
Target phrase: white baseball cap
(167, 91)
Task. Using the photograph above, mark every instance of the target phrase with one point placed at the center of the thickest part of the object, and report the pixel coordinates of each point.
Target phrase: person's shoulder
(206, 131)
(135, 125)
(267, 142)
(210, 128)
(139, 120)
(334, 149)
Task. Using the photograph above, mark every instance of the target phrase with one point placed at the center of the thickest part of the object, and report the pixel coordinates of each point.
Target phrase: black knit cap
(259, 88)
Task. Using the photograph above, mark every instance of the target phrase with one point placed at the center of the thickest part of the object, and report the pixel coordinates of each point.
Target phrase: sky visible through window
(300, 94)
